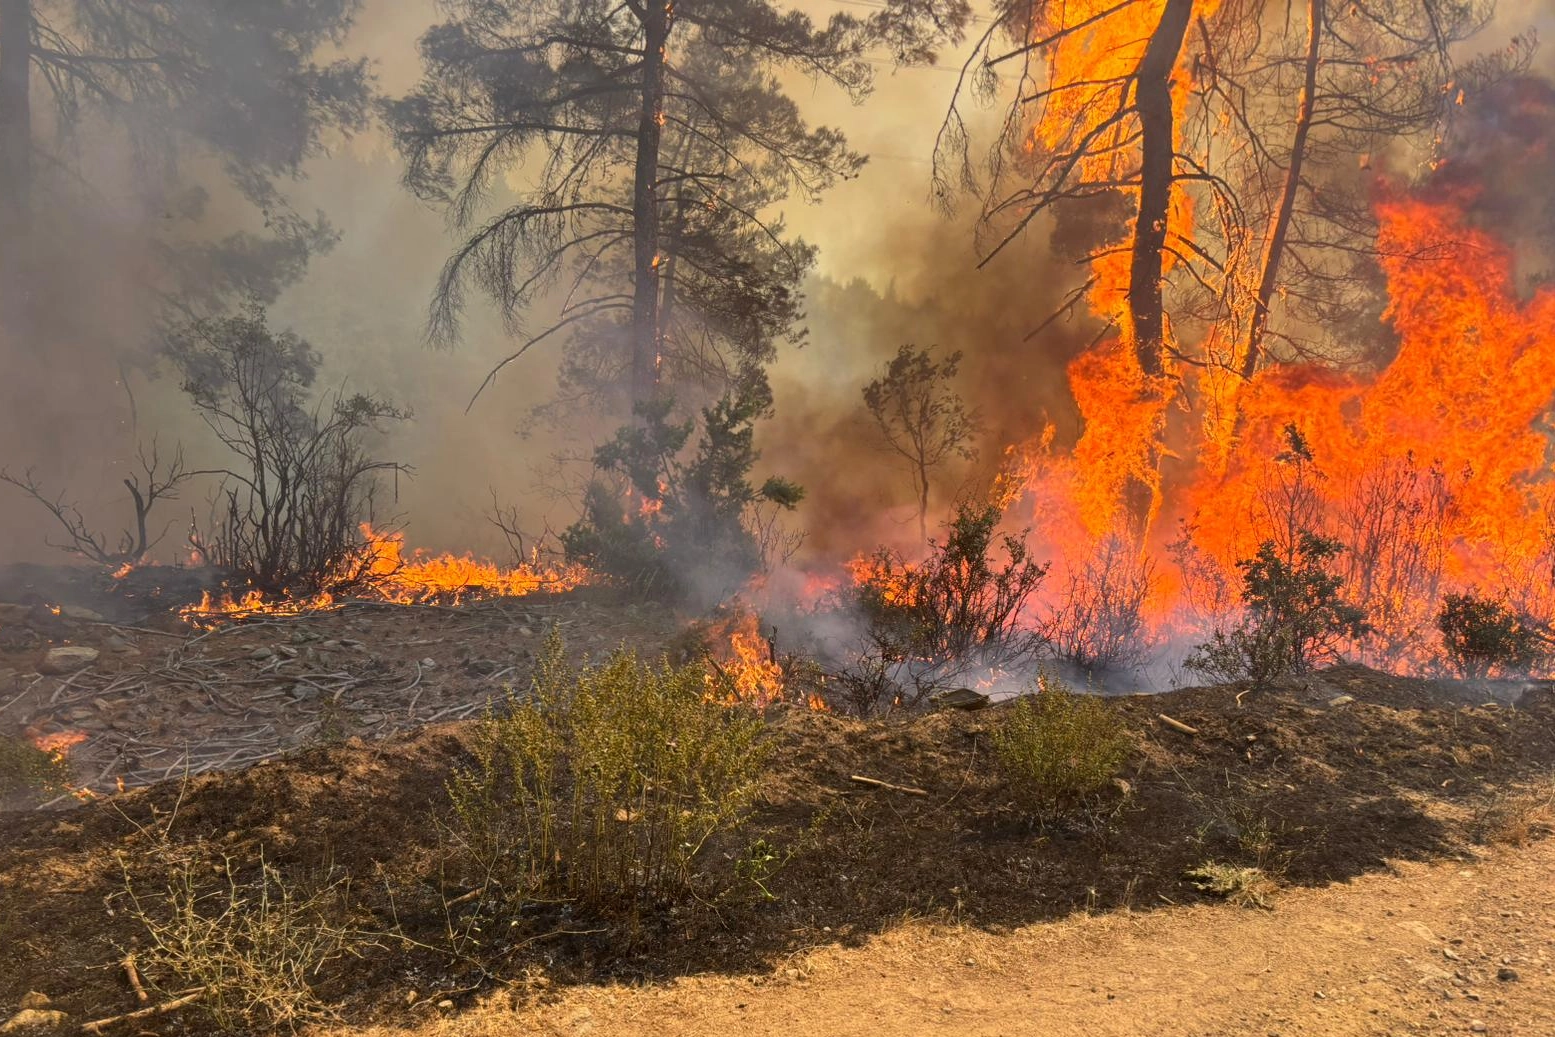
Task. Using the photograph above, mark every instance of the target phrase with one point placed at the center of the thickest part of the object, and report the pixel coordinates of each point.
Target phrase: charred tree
(1157, 154)
(1279, 224)
(238, 83)
(657, 16)
(15, 118)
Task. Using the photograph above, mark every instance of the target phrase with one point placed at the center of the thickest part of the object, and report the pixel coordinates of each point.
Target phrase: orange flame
(385, 572)
(1434, 471)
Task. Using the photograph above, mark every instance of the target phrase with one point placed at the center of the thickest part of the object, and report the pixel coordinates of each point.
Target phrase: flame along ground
(385, 572)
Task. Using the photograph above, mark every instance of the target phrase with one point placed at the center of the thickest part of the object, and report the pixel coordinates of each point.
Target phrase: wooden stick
(877, 783)
(134, 975)
(98, 1026)
(1178, 725)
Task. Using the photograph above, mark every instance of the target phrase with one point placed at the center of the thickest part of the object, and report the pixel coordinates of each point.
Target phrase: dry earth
(1417, 950)
(1377, 805)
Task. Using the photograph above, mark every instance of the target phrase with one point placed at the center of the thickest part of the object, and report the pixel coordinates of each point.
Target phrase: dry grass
(1241, 887)
(253, 948)
(1519, 817)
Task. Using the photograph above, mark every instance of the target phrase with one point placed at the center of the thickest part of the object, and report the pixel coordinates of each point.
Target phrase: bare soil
(1350, 789)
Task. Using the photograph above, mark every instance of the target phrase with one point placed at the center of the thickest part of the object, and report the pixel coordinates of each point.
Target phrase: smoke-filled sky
(891, 271)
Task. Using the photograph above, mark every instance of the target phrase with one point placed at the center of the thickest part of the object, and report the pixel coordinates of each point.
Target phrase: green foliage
(1482, 636)
(1294, 615)
(1059, 748)
(24, 768)
(604, 785)
(696, 516)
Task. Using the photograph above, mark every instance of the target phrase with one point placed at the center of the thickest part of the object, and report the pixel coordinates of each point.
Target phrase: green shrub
(1482, 636)
(1295, 617)
(604, 784)
(1058, 748)
(694, 512)
(26, 768)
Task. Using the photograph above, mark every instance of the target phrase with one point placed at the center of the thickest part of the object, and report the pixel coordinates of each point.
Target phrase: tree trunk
(1158, 146)
(1158, 149)
(1279, 224)
(645, 206)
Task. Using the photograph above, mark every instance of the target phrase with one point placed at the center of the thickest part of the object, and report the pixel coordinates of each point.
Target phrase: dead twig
(1177, 725)
(99, 1025)
(877, 783)
(134, 977)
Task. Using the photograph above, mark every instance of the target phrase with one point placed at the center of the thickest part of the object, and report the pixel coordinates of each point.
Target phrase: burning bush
(960, 609)
(1058, 748)
(1481, 636)
(604, 785)
(289, 515)
(699, 527)
(1294, 616)
(1100, 627)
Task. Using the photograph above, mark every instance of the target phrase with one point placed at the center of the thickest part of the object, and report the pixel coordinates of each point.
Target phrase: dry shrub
(254, 948)
(1242, 887)
(1099, 627)
(1393, 523)
(1059, 748)
(602, 786)
(1519, 818)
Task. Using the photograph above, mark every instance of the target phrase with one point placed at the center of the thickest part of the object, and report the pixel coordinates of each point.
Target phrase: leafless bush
(1100, 626)
(1393, 524)
(253, 950)
(151, 484)
(288, 514)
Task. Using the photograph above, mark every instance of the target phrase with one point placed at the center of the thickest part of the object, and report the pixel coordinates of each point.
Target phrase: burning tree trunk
(1146, 308)
(1279, 225)
(656, 20)
(1158, 148)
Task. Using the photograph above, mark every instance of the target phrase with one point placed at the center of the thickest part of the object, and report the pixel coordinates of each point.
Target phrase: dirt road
(1418, 951)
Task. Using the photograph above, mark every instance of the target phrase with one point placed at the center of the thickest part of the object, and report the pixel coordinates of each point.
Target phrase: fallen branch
(1177, 725)
(99, 1025)
(877, 783)
(134, 976)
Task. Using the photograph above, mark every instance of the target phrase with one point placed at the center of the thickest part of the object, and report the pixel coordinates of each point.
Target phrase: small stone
(971, 963)
(1449, 954)
(1342, 700)
(525, 632)
(261, 654)
(445, 1004)
(81, 613)
(1477, 1026)
(1506, 975)
(67, 660)
(115, 643)
(411, 997)
(429, 663)
(791, 973)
